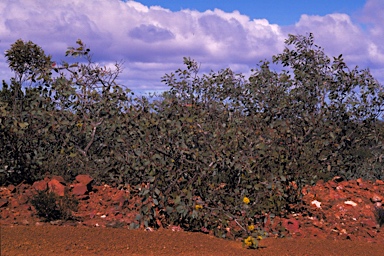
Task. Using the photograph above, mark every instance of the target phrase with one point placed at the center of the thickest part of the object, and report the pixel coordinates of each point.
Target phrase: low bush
(51, 207)
(379, 215)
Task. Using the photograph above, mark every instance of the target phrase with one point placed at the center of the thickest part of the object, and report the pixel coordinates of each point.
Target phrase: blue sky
(282, 12)
(152, 37)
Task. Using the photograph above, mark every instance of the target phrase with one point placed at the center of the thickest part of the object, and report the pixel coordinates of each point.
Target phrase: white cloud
(153, 40)
(336, 32)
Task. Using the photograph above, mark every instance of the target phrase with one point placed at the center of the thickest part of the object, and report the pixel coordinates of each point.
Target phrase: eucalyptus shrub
(216, 152)
(23, 111)
(263, 138)
(62, 124)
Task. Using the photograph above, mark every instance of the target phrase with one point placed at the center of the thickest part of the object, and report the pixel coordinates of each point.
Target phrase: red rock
(340, 195)
(267, 223)
(56, 187)
(83, 197)
(347, 237)
(79, 189)
(14, 203)
(40, 185)
(119, 198)
(3, 202)
(4, 215)
(23, 187)
(317, 224)
(29, 193)
(371, 233)
(291, 224)
(119, 216)
(369, 223)
(376, 198)
(345, 184)
(364, 185)
(84, 179)
(26, 207)
(112, 211)
(23, 199)
(332, 184)
(12, 188)
(59, 179)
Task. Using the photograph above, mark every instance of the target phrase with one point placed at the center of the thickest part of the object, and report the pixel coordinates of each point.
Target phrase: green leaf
(23, 125)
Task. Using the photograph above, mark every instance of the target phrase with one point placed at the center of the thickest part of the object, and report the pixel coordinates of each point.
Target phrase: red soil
(336, 218)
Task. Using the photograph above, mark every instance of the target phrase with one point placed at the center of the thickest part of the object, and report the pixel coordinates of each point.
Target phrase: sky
(151, 37)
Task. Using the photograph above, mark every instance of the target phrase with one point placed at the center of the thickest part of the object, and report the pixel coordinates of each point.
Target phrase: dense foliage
(213, 149)
(52, 207)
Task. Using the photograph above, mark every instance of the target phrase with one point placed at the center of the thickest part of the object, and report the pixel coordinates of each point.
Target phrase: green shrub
(196, 151)
(379, 215)
(51, 207)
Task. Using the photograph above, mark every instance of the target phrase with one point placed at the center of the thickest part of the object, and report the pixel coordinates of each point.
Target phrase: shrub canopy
(198, 149)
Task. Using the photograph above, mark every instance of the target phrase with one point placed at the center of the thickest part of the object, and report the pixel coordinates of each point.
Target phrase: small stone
(350, 203)
(56, 187)
(176, 228)
(26, 207)
(376, 198)
(118, 197)
(59, 179)
(337, 179)
(3, 202)
(316, 203)
(4, 214)
(83, 197)
(291, 224)
(371, 233)
(40, 185)
(56, 222)
(317, 224)
(84, 179)
(12, 188)
(368, 223)
(79, 189)
(14, 203)
(23, 199)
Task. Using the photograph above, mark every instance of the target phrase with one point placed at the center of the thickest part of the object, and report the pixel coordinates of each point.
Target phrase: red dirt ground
(335, 218)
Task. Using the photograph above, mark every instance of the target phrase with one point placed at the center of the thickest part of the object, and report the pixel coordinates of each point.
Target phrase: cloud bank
(152, 40)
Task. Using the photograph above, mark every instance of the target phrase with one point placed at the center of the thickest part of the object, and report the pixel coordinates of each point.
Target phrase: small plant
(52, 207)
(252, 243)
(246, 200)
(198, 207)
(379, 215)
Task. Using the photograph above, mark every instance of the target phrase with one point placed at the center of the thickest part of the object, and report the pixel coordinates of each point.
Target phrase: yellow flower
(259, 237)
(246, 200)
(79, 125)
(198, 207)
(249, 241)
(251, 227)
